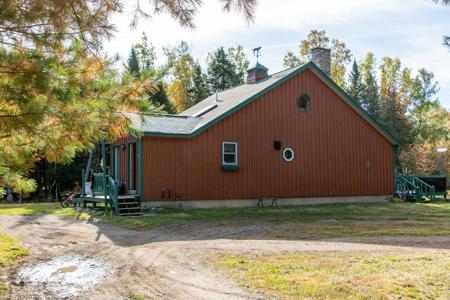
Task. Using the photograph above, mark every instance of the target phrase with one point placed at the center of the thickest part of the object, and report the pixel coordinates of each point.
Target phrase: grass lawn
(333, 220)
(340, 275)
(10, 251)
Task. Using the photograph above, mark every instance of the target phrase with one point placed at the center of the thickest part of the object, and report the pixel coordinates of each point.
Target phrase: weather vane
(256, 52)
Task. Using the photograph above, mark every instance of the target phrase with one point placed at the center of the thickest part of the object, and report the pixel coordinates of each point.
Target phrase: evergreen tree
(58, 94)
(370, 98)
(133, 63)
(141, 62)
(355, 88)
(161, 99)
(200, 89)
(395, 87)
(222, 73)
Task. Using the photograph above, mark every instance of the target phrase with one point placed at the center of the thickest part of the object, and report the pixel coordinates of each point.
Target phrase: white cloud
(411, 30)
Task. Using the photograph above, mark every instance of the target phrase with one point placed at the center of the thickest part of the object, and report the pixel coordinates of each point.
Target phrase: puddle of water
(67, 269)
(65, 276)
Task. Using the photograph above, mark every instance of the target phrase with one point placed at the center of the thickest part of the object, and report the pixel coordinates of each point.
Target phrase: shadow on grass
(398, 224)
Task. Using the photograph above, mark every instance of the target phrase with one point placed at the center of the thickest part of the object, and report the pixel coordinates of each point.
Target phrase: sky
(409, 29)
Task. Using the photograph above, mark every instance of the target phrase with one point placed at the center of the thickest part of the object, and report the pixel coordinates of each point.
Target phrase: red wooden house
(293, 135)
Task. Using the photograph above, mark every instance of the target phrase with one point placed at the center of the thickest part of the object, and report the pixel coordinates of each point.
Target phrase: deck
(105, 190)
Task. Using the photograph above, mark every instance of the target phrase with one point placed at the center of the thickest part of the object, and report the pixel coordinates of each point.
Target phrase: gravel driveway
(169, 262)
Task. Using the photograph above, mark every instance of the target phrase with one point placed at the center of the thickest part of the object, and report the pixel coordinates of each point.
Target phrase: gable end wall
(337, 152)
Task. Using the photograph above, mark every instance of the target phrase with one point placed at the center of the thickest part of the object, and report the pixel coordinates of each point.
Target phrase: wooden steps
(129, 206)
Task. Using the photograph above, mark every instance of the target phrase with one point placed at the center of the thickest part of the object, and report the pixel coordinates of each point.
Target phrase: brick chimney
(256, 73)
(321, 57)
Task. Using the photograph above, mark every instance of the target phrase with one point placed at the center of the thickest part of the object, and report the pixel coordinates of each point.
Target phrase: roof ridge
(247, 96)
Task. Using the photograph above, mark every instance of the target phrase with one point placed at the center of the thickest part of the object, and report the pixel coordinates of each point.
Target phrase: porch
(102, 187)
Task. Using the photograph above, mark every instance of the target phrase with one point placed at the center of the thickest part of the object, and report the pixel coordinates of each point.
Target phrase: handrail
(404, 183)
(424, 187)
(113, 193)
(406, 180)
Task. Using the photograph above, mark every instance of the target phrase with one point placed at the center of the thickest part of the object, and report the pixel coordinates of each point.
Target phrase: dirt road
(169, 262)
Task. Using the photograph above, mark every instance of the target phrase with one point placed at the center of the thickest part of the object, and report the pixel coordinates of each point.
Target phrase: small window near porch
(229, 154)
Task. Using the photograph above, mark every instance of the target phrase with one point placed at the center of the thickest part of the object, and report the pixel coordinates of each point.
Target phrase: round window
(304, 102)
(288, 154)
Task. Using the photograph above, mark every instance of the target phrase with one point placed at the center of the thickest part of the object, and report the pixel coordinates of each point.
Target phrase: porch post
(105, 190)
(141, 168)
(83, 183)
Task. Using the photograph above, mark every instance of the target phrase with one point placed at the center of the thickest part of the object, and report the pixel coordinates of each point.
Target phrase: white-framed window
(229, 153)
(288, 154)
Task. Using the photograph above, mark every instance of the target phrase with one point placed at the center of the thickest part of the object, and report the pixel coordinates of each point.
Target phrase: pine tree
(355, 88)
(200, 89)
(395, 87)
(133, 63)
(222, 73)
(370, 98)
(58, 94)
(160, 98)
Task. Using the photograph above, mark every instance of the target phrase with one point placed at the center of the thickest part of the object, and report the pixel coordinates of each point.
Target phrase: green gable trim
(318, 72)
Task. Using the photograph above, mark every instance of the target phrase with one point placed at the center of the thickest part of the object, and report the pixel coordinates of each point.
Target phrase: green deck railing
(106, 186)
(413, 186)
(424, 188)
(113, 193)
(99, 184)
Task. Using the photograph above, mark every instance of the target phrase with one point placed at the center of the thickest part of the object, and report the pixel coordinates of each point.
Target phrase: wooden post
(105, 189)
(141, 168)
(83, 183)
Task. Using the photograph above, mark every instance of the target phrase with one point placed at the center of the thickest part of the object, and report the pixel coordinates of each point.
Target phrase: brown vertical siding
(332, 143)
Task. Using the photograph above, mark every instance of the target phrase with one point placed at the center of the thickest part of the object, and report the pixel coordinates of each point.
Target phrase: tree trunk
(88, 167)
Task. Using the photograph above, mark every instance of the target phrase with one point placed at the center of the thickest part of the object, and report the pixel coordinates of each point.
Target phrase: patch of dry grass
(338, 275)
(10, 251)
(368, 228)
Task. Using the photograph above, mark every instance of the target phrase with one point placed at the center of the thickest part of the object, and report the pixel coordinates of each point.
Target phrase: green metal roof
(231, 100)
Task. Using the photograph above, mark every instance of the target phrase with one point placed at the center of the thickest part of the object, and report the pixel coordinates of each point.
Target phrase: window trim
(236, 153)
(284, 154)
